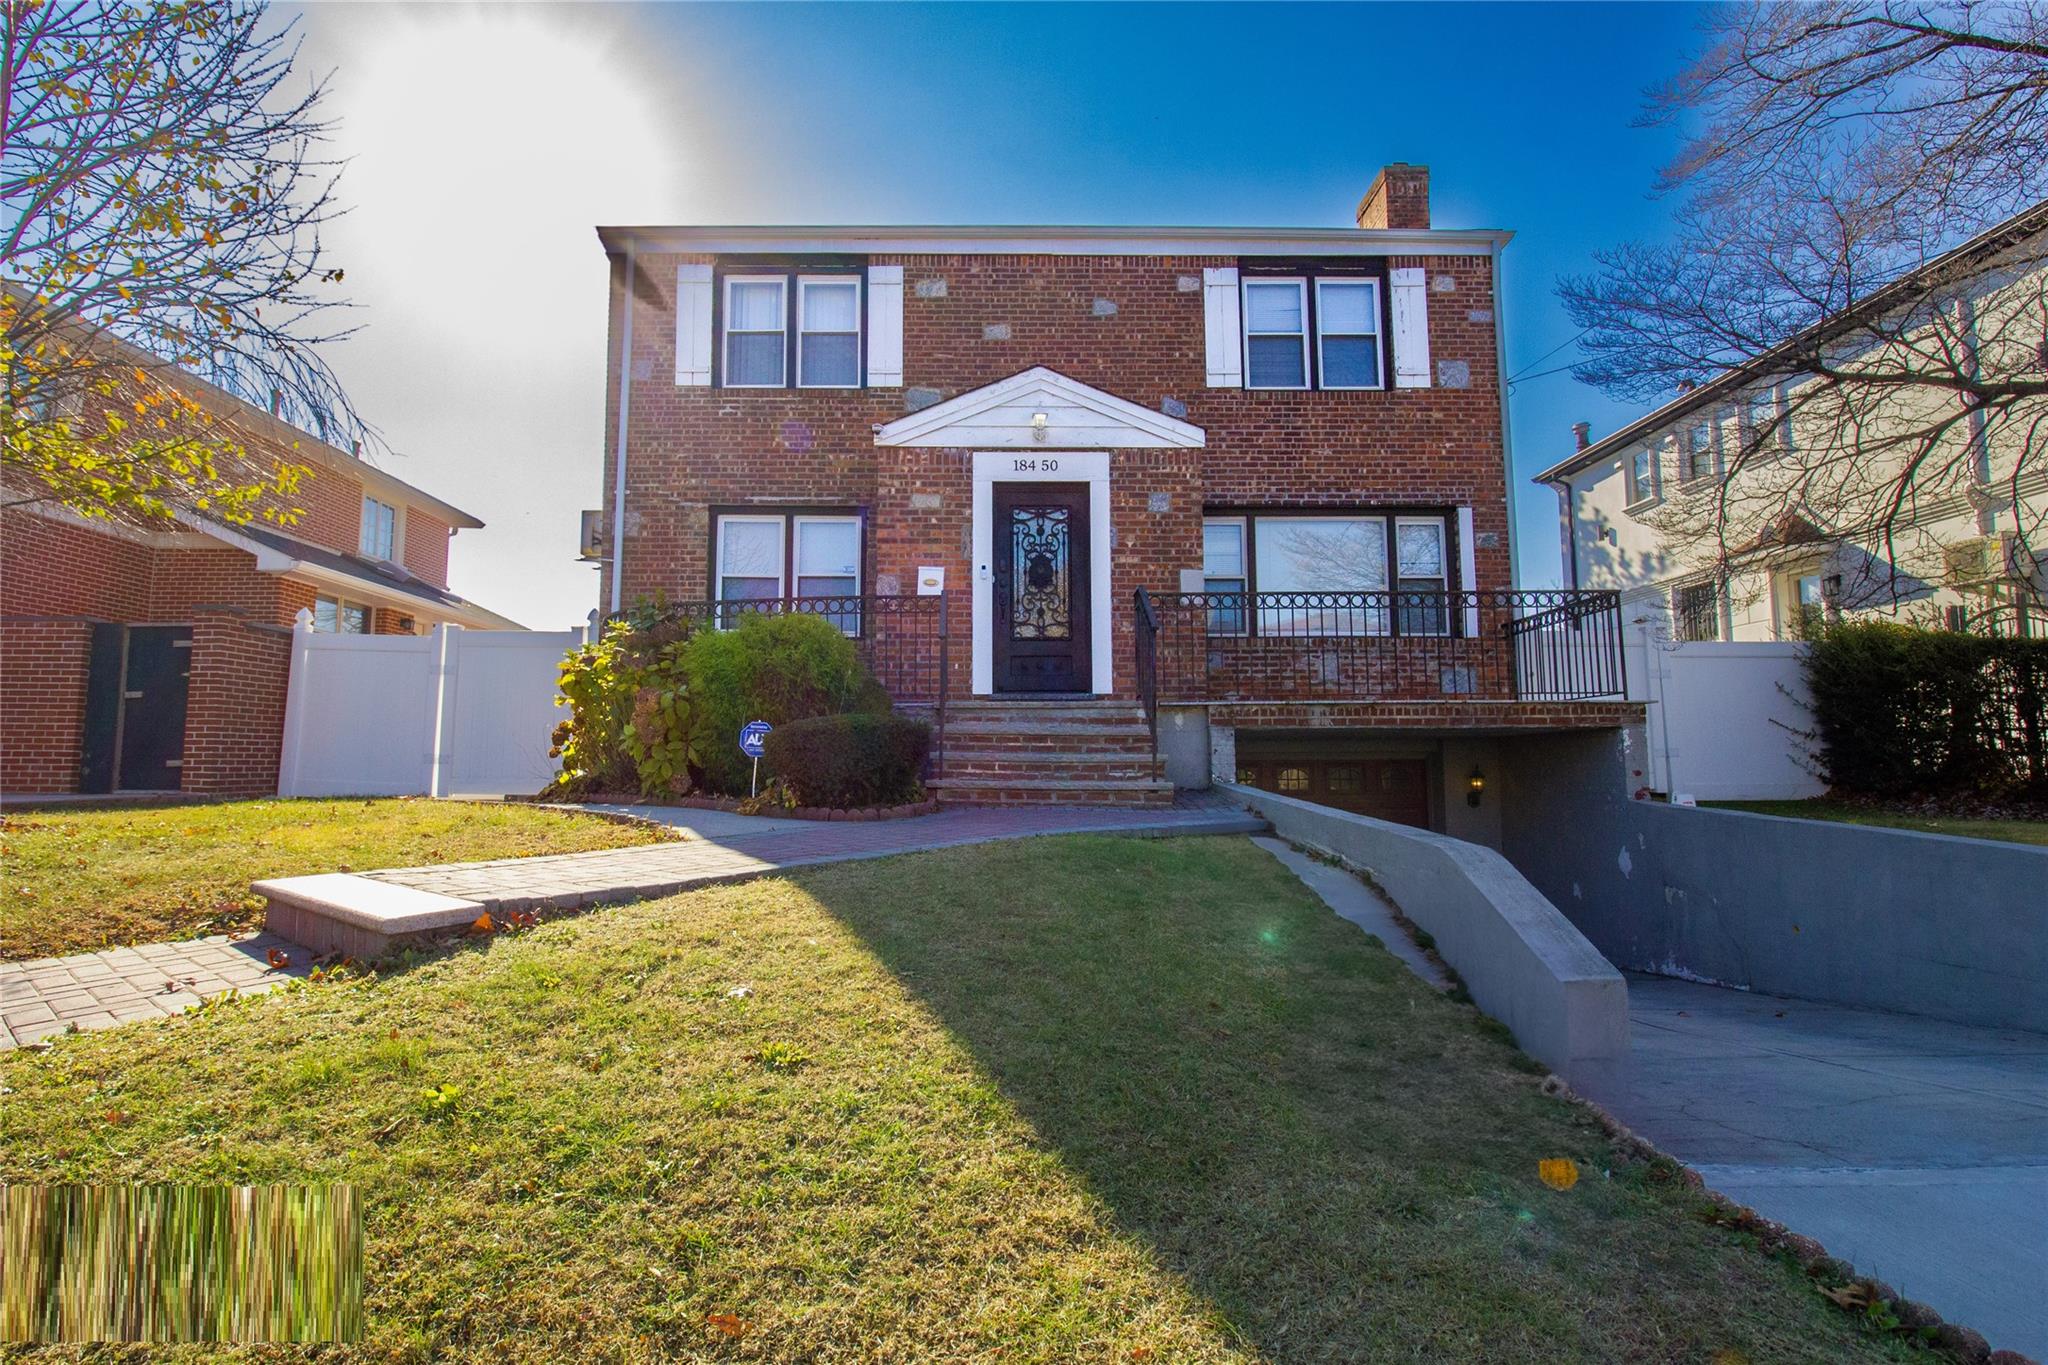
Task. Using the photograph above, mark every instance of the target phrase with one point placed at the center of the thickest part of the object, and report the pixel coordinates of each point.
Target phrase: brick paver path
(97, 990)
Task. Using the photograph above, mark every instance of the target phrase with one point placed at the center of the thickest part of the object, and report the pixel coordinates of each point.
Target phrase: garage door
(1395, 789)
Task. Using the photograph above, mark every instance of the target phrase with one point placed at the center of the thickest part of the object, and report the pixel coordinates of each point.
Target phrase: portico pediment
(1042, 408)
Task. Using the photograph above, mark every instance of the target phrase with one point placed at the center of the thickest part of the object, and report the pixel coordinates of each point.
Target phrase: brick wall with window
(1133, 326)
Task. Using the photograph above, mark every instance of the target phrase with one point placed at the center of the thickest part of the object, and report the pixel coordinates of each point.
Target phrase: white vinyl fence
(453, 713)
(1726, 720)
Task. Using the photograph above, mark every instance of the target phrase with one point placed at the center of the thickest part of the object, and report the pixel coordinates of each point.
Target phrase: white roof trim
(1060, 241)
(1090, 418)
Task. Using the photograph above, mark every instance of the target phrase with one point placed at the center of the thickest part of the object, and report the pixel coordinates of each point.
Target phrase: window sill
(1643, 505)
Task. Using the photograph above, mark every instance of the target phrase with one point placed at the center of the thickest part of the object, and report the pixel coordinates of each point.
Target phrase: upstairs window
(1276, 334)
(828, 335)
(1766, 425)
(1642, 475)
(1697, 453)
(380, 530)
(756, 323)
(1348, 333)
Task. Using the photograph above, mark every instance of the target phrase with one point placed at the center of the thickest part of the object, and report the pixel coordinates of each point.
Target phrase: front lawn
(1059, 1099)
(1821, 808)
(79, 878)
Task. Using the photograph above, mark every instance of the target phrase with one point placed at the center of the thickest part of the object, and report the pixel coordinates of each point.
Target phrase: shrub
(773, 667)
(1902, 711)
(850, 761)
(598, 683)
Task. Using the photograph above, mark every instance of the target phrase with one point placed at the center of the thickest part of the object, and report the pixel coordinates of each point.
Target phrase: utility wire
(1547, 354)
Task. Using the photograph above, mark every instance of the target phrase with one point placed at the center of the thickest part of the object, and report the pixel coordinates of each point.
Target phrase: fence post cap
(302, 619)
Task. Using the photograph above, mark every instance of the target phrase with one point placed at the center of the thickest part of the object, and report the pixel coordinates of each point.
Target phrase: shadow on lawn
(1337, 1159)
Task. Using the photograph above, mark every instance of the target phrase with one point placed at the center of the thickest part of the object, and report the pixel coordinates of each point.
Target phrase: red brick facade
(60, 576)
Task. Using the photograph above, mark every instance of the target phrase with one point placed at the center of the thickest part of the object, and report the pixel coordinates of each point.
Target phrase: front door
(1041, 588)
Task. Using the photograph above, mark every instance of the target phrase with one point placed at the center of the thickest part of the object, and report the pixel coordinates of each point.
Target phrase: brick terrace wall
(693, 449)
(42, 698)
(234, 716)
(1440, 715)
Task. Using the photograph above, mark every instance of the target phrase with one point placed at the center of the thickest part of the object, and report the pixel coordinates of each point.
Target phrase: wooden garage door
(1394, 789)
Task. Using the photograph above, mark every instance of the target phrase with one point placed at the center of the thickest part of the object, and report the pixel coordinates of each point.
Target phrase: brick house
(155, 657)
(1121, 506)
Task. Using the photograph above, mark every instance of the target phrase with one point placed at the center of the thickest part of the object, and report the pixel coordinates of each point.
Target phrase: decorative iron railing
(1380, 646)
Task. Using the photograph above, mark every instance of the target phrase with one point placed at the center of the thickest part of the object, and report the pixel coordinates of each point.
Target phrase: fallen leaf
(725, 1324)
(483, 924)
(278, 959)
(1558, 1172)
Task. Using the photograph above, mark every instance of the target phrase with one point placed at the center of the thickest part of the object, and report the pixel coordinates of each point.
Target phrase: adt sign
(751, 736)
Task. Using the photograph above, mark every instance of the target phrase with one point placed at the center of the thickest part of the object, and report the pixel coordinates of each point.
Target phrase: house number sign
(1034, 466)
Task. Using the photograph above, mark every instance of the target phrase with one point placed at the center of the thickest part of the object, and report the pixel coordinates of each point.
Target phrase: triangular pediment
(1006, 415)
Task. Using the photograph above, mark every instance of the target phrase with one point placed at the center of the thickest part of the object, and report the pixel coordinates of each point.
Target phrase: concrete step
(1053, 791)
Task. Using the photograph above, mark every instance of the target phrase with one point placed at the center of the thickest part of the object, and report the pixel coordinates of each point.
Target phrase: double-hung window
(1276, 334)
(756, 326)
(828, 332)
(1420, 561)
(380, 530)
(1223, 574)
(1348, 333)
(804, 561)
(1697, 453)
(1641, 473)
(1764, 436)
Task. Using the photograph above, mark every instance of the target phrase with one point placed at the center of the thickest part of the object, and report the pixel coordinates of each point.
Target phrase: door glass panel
(1292, 780)
(1041, 583)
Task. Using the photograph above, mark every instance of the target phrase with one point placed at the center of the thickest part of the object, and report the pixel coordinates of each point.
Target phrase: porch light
(1038, 426)
(1476, 785)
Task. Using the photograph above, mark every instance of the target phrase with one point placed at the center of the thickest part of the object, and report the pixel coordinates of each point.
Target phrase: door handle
(130, 696)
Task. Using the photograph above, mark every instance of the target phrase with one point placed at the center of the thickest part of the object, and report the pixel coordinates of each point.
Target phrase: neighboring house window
(1324, 574)
(1641, 472)
(1766, 429)
(340, 618)
(776, 557)
(1276, 334)
(1698, 454)
(1804, 597)
(1292, 780)
(756, 318)
(1696, 613)
(380, 530)
(1348, 333)
(1223, 565)
(828, 334)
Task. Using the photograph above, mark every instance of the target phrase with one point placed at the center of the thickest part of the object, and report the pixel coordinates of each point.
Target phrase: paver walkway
(1915, 1149)
(96, 990)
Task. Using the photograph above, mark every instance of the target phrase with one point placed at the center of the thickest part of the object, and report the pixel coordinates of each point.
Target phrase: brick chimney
(1581, 434)
(1398, 198)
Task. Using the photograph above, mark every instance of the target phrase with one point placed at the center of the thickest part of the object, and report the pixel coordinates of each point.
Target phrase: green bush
(773, 667)
(850, 761)
(598, 683)
(1902, 711)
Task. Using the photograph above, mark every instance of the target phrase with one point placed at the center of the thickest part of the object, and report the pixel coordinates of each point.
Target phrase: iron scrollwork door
(1042, 584)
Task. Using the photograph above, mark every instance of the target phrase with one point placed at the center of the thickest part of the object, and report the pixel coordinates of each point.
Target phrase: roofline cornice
(1053, 241)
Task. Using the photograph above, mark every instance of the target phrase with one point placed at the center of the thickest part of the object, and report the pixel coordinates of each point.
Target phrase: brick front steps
(1085, 752)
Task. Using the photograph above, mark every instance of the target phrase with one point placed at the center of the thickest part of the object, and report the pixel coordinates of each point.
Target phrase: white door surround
(1091, 467)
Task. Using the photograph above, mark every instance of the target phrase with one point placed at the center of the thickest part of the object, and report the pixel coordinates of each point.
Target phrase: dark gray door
(152, 721)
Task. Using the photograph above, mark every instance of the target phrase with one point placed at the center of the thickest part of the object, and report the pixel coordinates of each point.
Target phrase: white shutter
(1222, 329)
(1410, 289)
(693, 325)
(1468, 570)
(885, 326)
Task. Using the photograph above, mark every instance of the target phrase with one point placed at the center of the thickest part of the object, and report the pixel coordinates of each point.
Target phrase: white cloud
(484, 145)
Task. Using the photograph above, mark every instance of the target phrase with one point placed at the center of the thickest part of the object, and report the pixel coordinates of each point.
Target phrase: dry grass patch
(1061, 1099)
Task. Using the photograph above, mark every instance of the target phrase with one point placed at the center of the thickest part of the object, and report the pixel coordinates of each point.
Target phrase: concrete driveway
(1918, 1150)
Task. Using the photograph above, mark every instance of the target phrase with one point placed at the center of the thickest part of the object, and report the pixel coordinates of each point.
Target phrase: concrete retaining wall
(1889, 919)
(1522, 960)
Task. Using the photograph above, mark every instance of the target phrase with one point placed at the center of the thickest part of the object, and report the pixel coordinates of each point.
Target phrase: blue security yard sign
(751, 735)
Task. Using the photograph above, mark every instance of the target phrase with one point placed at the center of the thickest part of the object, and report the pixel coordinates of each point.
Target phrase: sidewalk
(98, 990)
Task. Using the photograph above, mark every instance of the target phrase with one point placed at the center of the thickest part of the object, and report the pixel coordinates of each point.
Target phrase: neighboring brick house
(1248, 484)
(155, 658)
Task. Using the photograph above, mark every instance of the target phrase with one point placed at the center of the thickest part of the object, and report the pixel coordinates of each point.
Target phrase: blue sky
(1268, 115)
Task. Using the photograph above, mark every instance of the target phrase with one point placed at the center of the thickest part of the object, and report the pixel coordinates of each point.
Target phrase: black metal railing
(1539, 645)
(1145, 670)
(904, 641)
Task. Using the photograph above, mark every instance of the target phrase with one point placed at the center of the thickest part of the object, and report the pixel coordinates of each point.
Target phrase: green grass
(1820, 808)
(1054, 1100)
(76, 879)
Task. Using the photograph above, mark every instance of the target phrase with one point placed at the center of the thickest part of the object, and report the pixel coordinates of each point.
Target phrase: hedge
(1901, 711)
(770, 666)
(850, 761)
